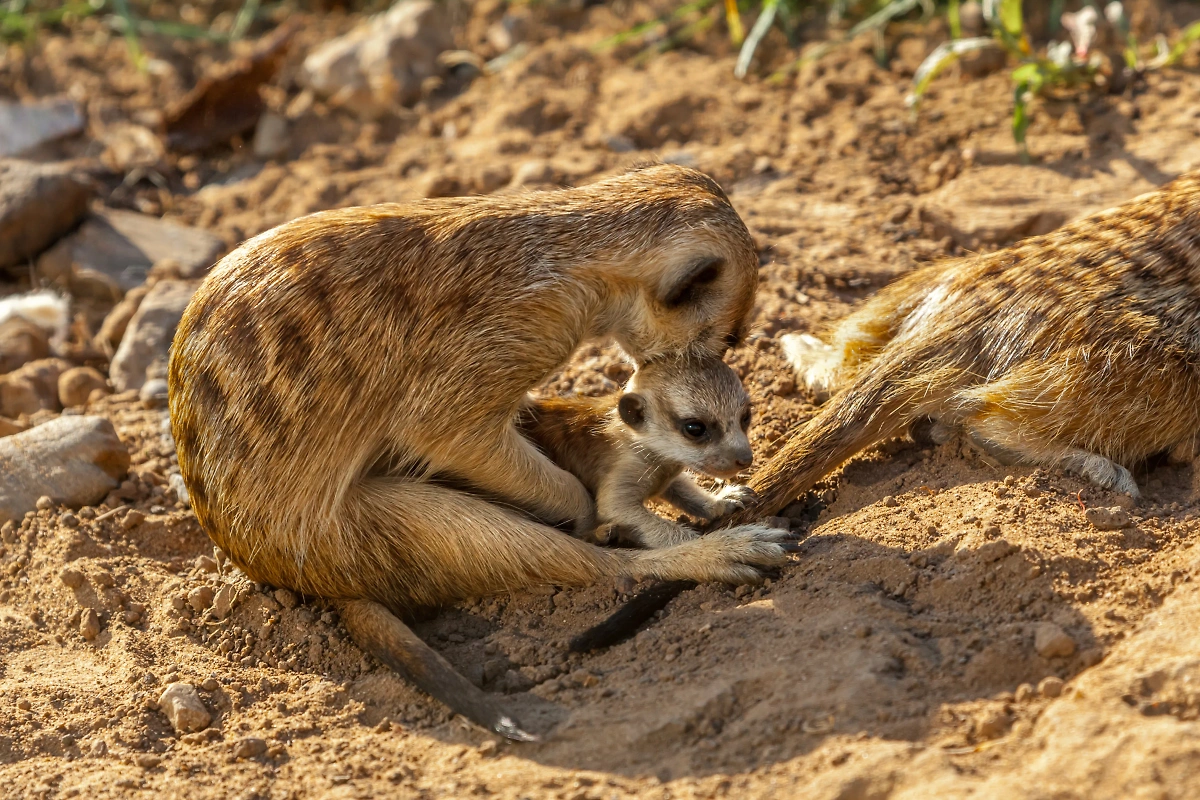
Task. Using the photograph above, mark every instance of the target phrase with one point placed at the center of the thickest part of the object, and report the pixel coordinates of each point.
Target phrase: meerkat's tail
(629, 617)
(380, 633)
(882, 402)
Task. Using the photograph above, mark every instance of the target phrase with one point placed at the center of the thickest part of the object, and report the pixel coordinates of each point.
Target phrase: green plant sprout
(1067, 63)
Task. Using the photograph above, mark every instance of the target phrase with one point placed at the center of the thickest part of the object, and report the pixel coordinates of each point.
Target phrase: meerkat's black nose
(743, 460)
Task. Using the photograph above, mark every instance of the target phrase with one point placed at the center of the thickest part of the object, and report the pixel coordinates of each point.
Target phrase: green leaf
(1011, 18)
(942, 56)
(955, 20)
(1020, 120)
(1190, 34)
(761, 26)
(1027, 73)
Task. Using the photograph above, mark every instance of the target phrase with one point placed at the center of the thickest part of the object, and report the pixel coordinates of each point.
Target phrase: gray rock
(183, 707)
(38, 204)
(121, 246)
(24, 126)
(148, 336)
(381, 63)
(75, 460)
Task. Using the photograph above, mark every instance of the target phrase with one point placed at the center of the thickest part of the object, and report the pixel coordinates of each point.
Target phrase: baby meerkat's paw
(734, 497)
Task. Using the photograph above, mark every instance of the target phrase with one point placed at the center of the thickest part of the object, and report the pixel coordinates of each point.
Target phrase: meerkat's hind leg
(1099, 470)
(816, 363)
(1009, 438)
(383, 635)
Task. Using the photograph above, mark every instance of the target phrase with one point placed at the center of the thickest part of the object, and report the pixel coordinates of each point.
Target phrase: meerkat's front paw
(741, 554)
(733, 497)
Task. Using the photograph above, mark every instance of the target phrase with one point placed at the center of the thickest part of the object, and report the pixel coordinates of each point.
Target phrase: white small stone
(184, 709)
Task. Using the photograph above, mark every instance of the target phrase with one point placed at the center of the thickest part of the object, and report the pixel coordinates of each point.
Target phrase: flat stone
(24, 126)
(75, 460)
(38, 204)
(147, 338)
(384, 60)
(182, 705)
(122, 246)
(997, 205)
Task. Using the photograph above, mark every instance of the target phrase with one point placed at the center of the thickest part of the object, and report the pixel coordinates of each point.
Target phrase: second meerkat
(1079, 348)
(343, 391)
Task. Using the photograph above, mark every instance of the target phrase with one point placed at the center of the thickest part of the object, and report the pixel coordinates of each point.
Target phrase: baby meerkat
(344, 388)
(1079, 348)
(675, 414)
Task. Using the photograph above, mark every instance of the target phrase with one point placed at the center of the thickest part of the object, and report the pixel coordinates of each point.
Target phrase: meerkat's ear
(695, 279)
(632, 408)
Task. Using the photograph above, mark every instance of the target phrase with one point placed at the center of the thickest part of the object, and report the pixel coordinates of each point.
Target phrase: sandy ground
(905, 651)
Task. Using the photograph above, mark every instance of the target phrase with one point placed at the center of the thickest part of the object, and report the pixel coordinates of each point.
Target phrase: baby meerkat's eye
(694, 428)
(745, 420)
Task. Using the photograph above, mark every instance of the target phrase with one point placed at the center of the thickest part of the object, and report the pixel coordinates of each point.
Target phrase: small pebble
(183, 708)
(69, 520)
(147, 760)
(488, 748)
(1051, 641)
(89, 624)
(201, 597)
(1050, 687)
(206, 564)
(286, 598)
(1025, 693)
(250, 747)
(890, 502)
(71, 577)
(132, 519)
(1107, 519)
(44, 503)
(24, 704)
(210, 685)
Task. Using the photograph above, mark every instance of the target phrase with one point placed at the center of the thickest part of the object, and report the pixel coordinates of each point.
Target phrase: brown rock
(32, 387)
(108, 339)
(1051, 641)
(1108, 519)
(89, 624)
(75, 386)
(250, 747)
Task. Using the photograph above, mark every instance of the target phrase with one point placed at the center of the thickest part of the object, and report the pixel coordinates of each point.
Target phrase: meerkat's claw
(734, 497)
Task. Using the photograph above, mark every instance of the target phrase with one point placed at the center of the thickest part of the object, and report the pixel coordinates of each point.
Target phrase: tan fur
(1080, 348)
(625, 462)
(343, 387)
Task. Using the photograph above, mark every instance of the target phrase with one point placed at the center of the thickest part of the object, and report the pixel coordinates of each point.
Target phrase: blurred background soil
(952, 627)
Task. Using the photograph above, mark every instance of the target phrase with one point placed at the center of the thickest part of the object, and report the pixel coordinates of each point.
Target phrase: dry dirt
(896, 657)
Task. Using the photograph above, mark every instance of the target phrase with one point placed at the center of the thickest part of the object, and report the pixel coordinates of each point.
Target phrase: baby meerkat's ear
(632, 408)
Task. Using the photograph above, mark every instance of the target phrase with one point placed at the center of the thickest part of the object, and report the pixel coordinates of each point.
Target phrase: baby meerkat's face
(693, 412)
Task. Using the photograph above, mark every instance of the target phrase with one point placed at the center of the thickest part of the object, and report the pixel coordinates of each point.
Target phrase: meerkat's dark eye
(699, 276)
(693, 429)
(745, 421)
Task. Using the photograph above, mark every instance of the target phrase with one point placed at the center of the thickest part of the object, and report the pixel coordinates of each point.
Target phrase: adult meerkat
(343, 391)
(1080, 348)
(675, 414)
